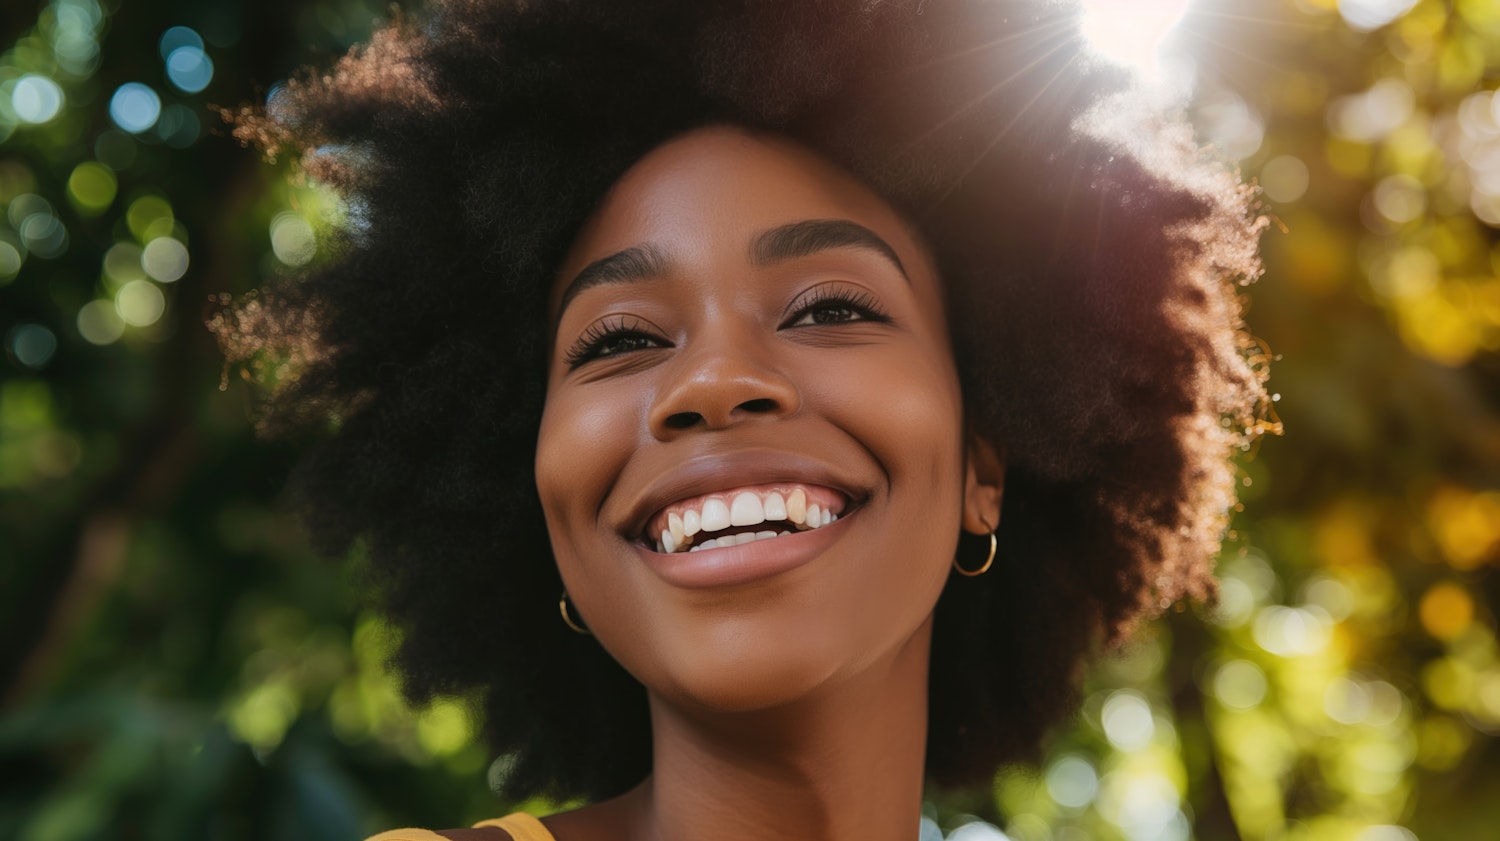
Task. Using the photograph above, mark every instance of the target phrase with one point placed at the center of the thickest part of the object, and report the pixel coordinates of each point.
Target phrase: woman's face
(750, 344)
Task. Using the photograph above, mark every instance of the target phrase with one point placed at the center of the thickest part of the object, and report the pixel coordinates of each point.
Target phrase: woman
(727, 320)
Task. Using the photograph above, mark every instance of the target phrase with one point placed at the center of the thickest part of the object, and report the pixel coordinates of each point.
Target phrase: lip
(711, 473)
(746, 563)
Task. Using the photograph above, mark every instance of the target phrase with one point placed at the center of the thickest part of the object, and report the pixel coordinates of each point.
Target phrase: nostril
(759, 405)
(683, 420)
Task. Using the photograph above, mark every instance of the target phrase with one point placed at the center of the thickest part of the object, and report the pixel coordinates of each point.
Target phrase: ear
(984, 486)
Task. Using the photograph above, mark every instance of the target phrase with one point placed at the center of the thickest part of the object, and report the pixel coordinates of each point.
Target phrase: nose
(717, 382)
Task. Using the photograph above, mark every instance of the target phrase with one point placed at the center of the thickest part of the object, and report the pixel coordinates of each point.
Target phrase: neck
(845, 763)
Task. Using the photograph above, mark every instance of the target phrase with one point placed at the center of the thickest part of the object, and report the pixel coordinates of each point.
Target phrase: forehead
(703, 196)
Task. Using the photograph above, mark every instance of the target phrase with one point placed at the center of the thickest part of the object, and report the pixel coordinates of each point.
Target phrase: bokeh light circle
(32, 345)
(292, 239)
(1374, 113)
(92, 187)
(190, 69)
(140, 303)
(1385, 832)
(177, 38)
(26, 205)
(1387, 704)
(165, 259)
(1236, 603)
(1235, 129)
(44, 234)
(977, 831)
(122, 263)
(1365, 15)
(1144, 804)
(1072, 782)
(135, 107)
(99, 324)
(1240, 685)
(1346, 701)
(179, 126)
(1284, 178)
(11, 259)
(1329, 594)
(1400, 198)
(75, 41)
(36, 98)
(1290, 631)
(150, 217)
(1127, 719)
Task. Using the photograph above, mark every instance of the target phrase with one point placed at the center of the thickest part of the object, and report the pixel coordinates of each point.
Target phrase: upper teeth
(746, 508)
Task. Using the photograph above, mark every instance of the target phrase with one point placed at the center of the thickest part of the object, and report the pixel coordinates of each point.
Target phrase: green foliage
(177, 663)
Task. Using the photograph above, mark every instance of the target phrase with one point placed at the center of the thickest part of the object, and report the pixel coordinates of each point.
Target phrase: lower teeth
(736, 539)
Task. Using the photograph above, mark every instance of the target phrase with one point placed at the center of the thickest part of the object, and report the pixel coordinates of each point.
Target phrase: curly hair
(1092, 279)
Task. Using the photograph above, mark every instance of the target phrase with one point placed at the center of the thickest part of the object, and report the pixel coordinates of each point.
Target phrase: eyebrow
(779, 244)
(801, 239)
(639, 262)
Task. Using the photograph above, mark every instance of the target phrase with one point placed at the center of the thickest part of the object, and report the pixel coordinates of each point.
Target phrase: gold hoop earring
(562, 607)
(988, 561)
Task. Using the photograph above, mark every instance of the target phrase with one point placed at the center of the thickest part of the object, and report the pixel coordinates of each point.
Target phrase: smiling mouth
(742, 515)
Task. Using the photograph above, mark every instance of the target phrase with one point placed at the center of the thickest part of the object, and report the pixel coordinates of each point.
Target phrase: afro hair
(1092, 270)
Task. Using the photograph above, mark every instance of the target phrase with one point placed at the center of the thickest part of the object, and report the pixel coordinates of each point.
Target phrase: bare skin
(843, 767)
(740, 317)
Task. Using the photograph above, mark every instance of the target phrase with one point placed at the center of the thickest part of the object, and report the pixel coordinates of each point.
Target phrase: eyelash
(596, 340)
(861, 303)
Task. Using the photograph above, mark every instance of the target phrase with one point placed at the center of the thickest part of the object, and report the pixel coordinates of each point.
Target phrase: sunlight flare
(1131, 32)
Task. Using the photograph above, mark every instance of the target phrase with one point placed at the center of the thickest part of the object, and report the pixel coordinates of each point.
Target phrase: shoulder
(406, 835)
(487, 832)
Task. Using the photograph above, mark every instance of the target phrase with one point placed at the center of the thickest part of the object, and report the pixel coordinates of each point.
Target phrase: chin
(740, 670)
(748, 690)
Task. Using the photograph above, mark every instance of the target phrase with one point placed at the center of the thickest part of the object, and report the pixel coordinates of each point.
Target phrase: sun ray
(1004, 130)
(977, 100)
(1019, 35)
(1094, 247)
(1130, 32)
(1067, 204)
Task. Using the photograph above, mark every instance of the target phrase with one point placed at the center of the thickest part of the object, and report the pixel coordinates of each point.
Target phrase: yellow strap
(407, 835)
(521, 826)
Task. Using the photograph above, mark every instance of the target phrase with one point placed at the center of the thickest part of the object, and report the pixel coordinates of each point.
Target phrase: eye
(831, 305)
(614, 336)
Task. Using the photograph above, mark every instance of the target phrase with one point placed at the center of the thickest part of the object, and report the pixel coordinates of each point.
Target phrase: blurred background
(175, 663)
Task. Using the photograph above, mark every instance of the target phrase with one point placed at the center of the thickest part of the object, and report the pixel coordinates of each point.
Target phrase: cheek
(906, 408)
(907, 411)
(581, 446)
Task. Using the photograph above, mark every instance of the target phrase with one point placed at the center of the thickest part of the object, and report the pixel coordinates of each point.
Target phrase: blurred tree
(175, 664)
(1346, 684)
